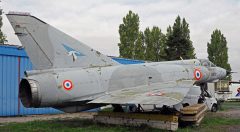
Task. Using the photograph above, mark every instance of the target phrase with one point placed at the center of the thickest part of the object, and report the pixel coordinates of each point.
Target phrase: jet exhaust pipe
(28, 93)
(34, 92)
(44, 90)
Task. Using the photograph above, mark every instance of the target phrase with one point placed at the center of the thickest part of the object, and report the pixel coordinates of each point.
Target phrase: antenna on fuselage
(181, 59)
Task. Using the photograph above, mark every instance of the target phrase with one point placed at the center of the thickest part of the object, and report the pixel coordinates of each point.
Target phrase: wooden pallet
(167, 122)
(194, 113)
(193, 109)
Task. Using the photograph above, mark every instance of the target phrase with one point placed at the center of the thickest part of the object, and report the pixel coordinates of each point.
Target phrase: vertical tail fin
(49, 48)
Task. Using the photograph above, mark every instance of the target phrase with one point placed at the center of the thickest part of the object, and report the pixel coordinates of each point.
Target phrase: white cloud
(96, 22)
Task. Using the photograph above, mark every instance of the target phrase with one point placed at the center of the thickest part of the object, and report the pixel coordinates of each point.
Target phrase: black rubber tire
(201, 100)
(214, 108)
(117, 108)
(185, 104)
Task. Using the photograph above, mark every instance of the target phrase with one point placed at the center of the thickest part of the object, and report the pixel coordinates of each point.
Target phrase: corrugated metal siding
(8, 83)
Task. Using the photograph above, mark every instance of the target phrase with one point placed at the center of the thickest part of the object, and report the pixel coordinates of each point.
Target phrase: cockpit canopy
(206, 63)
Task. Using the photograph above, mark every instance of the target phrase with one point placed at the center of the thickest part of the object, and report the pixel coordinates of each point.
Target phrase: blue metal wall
(13, 62)
(127, 61)
(8, 93)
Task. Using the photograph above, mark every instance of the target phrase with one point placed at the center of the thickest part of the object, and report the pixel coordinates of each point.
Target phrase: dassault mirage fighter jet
(72, 77)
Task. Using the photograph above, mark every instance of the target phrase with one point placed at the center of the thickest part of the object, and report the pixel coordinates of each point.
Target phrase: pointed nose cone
(229, 72)
(222, 73)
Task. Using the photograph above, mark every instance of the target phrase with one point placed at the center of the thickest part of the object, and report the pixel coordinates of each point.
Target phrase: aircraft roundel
(197, 74)
(67, 84)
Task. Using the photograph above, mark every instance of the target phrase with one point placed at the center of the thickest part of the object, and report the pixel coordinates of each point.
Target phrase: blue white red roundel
(67, 84)
(197, 74)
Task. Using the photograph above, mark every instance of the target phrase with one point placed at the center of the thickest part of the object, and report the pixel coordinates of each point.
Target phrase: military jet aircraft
(70, 76)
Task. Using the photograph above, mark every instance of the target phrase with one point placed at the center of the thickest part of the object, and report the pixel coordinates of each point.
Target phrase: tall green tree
(178, 43)
(139, 52)
(218, 51)
(129, 33)
(155, 44)
(159, 43)
(3, 38)
(149, 45)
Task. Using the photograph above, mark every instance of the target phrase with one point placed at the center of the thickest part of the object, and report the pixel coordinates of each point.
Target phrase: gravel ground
(82, 115)
(232, 113)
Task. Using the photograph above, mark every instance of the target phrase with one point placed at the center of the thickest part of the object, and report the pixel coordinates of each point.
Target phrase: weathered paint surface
(13, 62)
(92, 76)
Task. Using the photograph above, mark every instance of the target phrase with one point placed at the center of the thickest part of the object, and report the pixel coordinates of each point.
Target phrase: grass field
(213, 122)
(72, 125)
(230, 105)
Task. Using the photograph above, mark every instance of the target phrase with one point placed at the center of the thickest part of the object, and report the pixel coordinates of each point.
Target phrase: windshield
(212, 65)
(207, 63)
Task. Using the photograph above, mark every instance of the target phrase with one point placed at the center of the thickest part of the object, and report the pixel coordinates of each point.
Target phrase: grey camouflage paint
(95, 78)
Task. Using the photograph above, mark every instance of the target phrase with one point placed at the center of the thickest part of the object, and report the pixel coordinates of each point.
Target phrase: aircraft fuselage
(60, 86)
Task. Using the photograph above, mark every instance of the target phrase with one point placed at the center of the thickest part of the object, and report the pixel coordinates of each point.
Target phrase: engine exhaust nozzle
(28, 93)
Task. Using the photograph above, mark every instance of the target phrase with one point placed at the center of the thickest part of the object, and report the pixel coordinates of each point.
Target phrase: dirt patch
(232, 113)
(229, 128)
(81, 115)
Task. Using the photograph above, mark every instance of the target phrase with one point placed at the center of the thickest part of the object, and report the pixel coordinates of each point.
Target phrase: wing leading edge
(167, 93)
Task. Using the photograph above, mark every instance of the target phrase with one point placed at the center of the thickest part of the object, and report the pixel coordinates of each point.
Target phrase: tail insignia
(72, 52)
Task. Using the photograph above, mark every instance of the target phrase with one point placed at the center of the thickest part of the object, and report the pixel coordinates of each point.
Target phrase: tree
(3, 38)
(218, 51)
(186, 37)
(149, 45)
(155, 44)
(139, 53)
(159, 43)
(129, 33)
(178, 43)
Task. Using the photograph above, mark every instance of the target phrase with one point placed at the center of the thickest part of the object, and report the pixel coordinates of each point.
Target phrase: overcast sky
(95, 22)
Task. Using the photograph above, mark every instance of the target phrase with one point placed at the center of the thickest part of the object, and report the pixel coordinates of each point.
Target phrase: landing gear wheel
(117, 108)
(132, 108)
(214, 108)
(185, 104)
(167, 110)
(201, 100)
